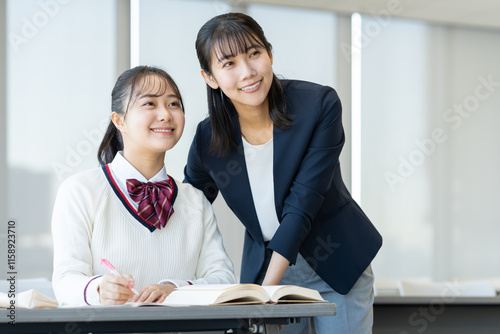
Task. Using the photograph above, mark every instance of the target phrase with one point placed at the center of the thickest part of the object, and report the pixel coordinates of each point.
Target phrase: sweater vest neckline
(125, 202)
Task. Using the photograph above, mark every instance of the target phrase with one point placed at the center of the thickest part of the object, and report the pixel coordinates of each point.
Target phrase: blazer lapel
(281, 151)
(285, 164)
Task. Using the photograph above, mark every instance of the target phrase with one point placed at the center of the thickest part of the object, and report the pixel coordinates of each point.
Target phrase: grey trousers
(354, 310)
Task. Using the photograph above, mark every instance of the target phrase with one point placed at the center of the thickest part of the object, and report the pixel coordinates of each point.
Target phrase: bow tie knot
(154, 199)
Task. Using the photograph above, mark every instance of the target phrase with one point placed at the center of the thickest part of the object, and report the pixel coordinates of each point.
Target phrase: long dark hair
(231, 34)
(130, 85)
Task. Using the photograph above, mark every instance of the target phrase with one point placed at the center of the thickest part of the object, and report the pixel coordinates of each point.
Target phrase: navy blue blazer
(317, 215)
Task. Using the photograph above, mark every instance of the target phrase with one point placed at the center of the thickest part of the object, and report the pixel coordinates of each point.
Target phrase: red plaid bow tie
(154, 200)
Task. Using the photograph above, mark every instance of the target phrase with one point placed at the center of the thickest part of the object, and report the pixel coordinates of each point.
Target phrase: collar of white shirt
(122, 170)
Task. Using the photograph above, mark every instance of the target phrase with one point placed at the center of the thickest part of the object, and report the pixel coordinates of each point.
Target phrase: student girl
(271, 147)
(163, 233)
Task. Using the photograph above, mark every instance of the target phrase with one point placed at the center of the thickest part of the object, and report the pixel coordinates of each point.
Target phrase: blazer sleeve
(195, 173)
(314, 176)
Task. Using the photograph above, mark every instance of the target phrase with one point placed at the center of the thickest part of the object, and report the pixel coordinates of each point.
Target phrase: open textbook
(231, 294)
(27, 299)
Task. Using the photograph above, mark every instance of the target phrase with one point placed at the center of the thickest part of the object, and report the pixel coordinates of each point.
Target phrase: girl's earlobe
(209, 79)
(117, 120)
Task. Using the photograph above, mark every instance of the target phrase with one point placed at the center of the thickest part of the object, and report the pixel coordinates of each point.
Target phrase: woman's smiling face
(245, 78)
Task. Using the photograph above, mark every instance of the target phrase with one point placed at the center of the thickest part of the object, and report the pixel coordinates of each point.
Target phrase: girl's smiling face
(245, 77)
(154, 121)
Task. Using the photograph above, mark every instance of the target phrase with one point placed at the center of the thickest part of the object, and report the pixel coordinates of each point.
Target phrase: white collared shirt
(121, 170)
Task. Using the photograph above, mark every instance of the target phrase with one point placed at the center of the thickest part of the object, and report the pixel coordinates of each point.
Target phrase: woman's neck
(146, 164)
(256, 126)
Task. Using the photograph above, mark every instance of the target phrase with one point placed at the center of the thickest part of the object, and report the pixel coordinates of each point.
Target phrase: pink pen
(112, 270)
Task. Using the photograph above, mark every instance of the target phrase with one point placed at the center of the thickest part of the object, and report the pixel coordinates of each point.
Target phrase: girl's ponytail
(110, 145)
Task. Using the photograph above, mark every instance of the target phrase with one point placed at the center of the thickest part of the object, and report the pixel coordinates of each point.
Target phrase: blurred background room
(419, 82)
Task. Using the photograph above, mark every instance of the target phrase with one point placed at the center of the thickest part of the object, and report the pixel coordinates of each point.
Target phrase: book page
(292, 294)
(178, 297)
(271, 289)
(218, 287)
(231, 294)
(28, 299)
(216, 294)
(213, 294)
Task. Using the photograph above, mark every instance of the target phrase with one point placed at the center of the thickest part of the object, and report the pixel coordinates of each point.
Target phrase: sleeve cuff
(90, 293)
(290, 236)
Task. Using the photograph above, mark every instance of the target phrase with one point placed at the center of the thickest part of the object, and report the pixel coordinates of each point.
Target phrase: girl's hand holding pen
(111, 290)
(114, 290)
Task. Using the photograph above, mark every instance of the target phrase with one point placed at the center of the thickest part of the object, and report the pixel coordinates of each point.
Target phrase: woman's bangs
(230, 43)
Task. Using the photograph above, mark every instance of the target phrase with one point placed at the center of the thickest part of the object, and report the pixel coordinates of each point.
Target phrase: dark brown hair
(229, 35)
(130, 85)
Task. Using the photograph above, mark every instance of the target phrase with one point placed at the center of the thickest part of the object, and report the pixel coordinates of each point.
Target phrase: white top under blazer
(259, 162)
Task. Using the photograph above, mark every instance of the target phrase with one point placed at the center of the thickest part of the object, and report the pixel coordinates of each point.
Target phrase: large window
(430, 109)
(430, 98)
(61, 67)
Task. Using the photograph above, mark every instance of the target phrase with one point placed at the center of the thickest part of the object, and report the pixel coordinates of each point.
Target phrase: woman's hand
(114, 290)
(154, 293)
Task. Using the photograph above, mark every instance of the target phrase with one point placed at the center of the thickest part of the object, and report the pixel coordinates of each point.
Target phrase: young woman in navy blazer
(316, 235)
